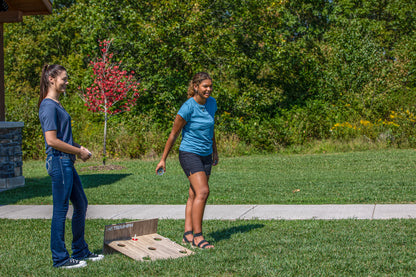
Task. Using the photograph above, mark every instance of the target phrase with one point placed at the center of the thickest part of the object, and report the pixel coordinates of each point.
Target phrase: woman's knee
(202, 193)
(80, 204)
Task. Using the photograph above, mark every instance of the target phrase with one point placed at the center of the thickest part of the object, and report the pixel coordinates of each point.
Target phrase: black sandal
(206, 243)
(185, 240)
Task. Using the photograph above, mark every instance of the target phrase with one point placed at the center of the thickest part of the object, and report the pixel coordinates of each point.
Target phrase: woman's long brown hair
(48, 70)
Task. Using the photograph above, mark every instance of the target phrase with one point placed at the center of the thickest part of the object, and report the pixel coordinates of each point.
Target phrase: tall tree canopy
(284, 72)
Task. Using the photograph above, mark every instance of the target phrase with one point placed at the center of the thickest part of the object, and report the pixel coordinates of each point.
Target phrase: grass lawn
(243, 248)
(383, 176)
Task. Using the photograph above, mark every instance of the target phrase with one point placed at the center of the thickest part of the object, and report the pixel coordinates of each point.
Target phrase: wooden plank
(125, 231)
(139, 240)
(11, 16)
(150, 248)
(31, 7)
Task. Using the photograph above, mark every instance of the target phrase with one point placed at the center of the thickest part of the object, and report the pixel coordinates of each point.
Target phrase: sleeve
(212, 106)
(185, 111)
(47, 118)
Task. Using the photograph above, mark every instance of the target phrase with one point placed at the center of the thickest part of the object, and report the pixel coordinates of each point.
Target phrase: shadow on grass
(226, 233)
(41, 187)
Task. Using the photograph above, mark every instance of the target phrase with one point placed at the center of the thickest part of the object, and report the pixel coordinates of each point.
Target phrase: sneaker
(73, 263)
(94, 257)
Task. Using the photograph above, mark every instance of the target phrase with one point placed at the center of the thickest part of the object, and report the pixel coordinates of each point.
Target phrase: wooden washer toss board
(139, 240)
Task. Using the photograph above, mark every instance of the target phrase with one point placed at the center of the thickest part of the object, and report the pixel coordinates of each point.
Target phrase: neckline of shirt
(204, 105)
(53, 101)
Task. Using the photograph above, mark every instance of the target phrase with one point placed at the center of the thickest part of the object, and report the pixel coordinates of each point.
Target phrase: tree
(276, 64)
(113, 90)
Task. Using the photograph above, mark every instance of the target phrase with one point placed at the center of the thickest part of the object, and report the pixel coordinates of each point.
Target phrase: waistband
(58, 153)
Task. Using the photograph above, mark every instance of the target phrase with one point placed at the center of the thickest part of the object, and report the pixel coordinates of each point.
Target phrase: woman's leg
(61, 190)
(80, 203)
(199, 183)
(188, 214)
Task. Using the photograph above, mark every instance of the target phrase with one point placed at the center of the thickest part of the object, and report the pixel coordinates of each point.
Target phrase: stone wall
(11, 155)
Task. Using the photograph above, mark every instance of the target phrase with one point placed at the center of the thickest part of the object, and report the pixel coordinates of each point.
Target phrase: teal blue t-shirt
(198, 132)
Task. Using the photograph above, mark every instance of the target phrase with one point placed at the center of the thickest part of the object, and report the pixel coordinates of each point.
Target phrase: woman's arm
(178, 125)
(53, 141)
(214, 151)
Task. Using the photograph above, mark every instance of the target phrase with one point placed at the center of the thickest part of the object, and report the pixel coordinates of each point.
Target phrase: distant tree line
(285, 72)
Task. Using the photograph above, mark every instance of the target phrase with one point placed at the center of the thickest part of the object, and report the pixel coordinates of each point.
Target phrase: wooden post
(2, 92)
(11, 156)
(14, 13)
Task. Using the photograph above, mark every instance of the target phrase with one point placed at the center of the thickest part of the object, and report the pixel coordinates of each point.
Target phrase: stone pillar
(11, 155)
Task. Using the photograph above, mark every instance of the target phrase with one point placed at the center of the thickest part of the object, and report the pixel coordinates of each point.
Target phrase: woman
(66, 184)
(197, 152)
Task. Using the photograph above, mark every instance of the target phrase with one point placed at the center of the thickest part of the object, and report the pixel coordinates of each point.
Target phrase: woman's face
(60, 82)
(204, 89)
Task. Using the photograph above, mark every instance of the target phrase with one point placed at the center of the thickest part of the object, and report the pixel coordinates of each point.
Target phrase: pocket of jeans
(48, 164)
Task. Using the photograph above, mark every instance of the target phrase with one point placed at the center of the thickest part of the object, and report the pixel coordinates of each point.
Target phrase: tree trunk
(105, 137)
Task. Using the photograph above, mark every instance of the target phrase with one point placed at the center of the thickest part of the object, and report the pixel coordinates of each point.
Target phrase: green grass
(243, 248)
(382, 176)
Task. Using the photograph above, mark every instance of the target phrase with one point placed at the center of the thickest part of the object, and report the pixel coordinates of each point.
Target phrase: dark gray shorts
(192, 163)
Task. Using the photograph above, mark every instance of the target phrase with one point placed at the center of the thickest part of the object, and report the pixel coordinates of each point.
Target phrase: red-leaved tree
(113, 90)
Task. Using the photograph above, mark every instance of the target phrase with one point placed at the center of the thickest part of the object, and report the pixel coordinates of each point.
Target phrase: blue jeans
(66, 185)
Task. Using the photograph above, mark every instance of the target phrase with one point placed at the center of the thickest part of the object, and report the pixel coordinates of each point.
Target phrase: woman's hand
(161, 164)
(84, 154)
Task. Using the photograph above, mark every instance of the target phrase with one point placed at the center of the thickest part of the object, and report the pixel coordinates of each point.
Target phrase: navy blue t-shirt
(198, 132)
(53, 117)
